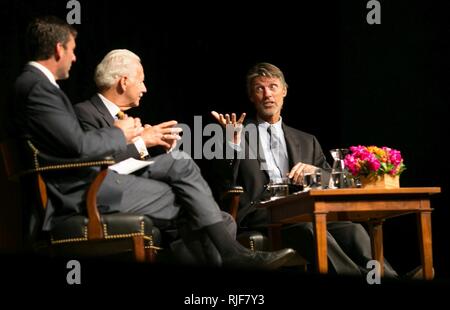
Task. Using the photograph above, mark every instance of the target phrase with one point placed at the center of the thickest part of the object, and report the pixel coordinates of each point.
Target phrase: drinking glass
(278, 188)
(312, 180)
(339, 173)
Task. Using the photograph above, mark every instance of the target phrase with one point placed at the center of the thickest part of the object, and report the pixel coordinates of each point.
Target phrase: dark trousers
(173, 189)
(171, 183)
(349, 247)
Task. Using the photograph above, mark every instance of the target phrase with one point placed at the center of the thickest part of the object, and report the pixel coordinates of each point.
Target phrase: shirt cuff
(141, 148)
(236, 147)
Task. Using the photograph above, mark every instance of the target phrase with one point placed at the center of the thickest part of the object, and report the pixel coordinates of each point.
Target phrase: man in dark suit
(45, 114)
(120, 80)
(294, 154)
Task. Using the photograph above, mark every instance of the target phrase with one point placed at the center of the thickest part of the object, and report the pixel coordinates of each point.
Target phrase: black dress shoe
(260, 259)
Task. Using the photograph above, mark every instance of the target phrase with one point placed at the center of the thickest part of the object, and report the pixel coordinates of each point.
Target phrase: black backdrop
(349, 82)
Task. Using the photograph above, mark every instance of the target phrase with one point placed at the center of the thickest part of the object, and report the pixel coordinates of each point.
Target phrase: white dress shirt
(113, 110)
(44, 70)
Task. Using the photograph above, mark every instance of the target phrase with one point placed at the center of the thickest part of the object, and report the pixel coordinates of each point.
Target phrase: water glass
(279, 188)
(337, 180)
(312, 180)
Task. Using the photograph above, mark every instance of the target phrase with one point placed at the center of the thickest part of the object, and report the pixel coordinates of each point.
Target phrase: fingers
(227, 119)
(220, 118)
(175, 131)
(216, 116)
(241, 119)
(297, 172)
(167, 124)
(138, 130)
(170, 137)
(137, 122)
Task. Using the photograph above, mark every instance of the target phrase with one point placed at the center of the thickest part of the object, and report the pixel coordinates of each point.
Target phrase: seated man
(120, 80)
(44, 113)
(295, 153)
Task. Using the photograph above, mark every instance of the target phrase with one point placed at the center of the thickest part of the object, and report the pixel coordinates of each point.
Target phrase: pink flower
(373, 160)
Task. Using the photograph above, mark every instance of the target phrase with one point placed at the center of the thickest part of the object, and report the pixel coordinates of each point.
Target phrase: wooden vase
(381, 181)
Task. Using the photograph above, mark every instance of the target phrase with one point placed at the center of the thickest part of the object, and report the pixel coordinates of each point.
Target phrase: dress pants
(172, 182)
(173, 189)
(349, 247)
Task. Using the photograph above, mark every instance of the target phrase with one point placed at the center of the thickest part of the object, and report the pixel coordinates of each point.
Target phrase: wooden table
(359, 205)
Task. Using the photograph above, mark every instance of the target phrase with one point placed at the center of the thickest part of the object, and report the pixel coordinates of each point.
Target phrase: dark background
(349, 82)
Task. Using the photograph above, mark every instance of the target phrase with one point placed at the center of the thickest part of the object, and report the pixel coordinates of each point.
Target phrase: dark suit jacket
(301, 147)
(94, 115)
(43, 112)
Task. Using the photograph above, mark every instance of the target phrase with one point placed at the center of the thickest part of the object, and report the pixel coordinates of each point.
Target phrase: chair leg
(150, 254)
(139, 248)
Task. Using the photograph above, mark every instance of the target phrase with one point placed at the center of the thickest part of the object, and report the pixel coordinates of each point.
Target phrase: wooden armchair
(80, 235)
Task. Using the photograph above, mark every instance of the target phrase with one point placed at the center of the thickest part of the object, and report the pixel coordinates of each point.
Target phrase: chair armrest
(44, 162)
(232, 195)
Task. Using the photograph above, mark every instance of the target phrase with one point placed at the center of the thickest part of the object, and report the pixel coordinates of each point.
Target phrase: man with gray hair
(294, 154)
(120, 81)
(171, 188)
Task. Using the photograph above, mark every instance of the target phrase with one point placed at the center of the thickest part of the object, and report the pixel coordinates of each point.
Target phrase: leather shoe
(260, 259)
(416, 274)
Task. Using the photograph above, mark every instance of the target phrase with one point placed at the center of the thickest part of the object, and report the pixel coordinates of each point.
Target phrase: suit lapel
(101, 108)
(293, 146)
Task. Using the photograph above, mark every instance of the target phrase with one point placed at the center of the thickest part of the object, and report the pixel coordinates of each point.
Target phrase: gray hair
(115, 64)
(264, 69)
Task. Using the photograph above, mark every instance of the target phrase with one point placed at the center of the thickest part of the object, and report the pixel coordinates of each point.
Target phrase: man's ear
(59, 48)
(250, 97)
(123, 83)
(284, 91)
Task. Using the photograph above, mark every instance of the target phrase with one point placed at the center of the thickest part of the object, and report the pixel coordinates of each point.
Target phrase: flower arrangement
(372, 161)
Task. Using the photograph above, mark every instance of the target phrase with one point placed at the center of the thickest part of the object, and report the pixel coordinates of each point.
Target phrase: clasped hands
(234, 127)
(164, 134)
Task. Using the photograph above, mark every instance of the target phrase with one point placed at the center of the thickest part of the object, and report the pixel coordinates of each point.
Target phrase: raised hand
(232, 126)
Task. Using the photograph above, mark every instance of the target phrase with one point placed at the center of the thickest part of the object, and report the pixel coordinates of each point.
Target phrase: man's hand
(131, 127)
(164, 134)
(232, 126)
(297, 172)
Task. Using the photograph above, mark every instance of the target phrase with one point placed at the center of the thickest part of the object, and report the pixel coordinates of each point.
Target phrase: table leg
(320, 234)
(376, 240)
(426, 251)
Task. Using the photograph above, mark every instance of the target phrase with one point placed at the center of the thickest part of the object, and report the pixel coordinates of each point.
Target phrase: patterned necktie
(275, 146)
(120, 115)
